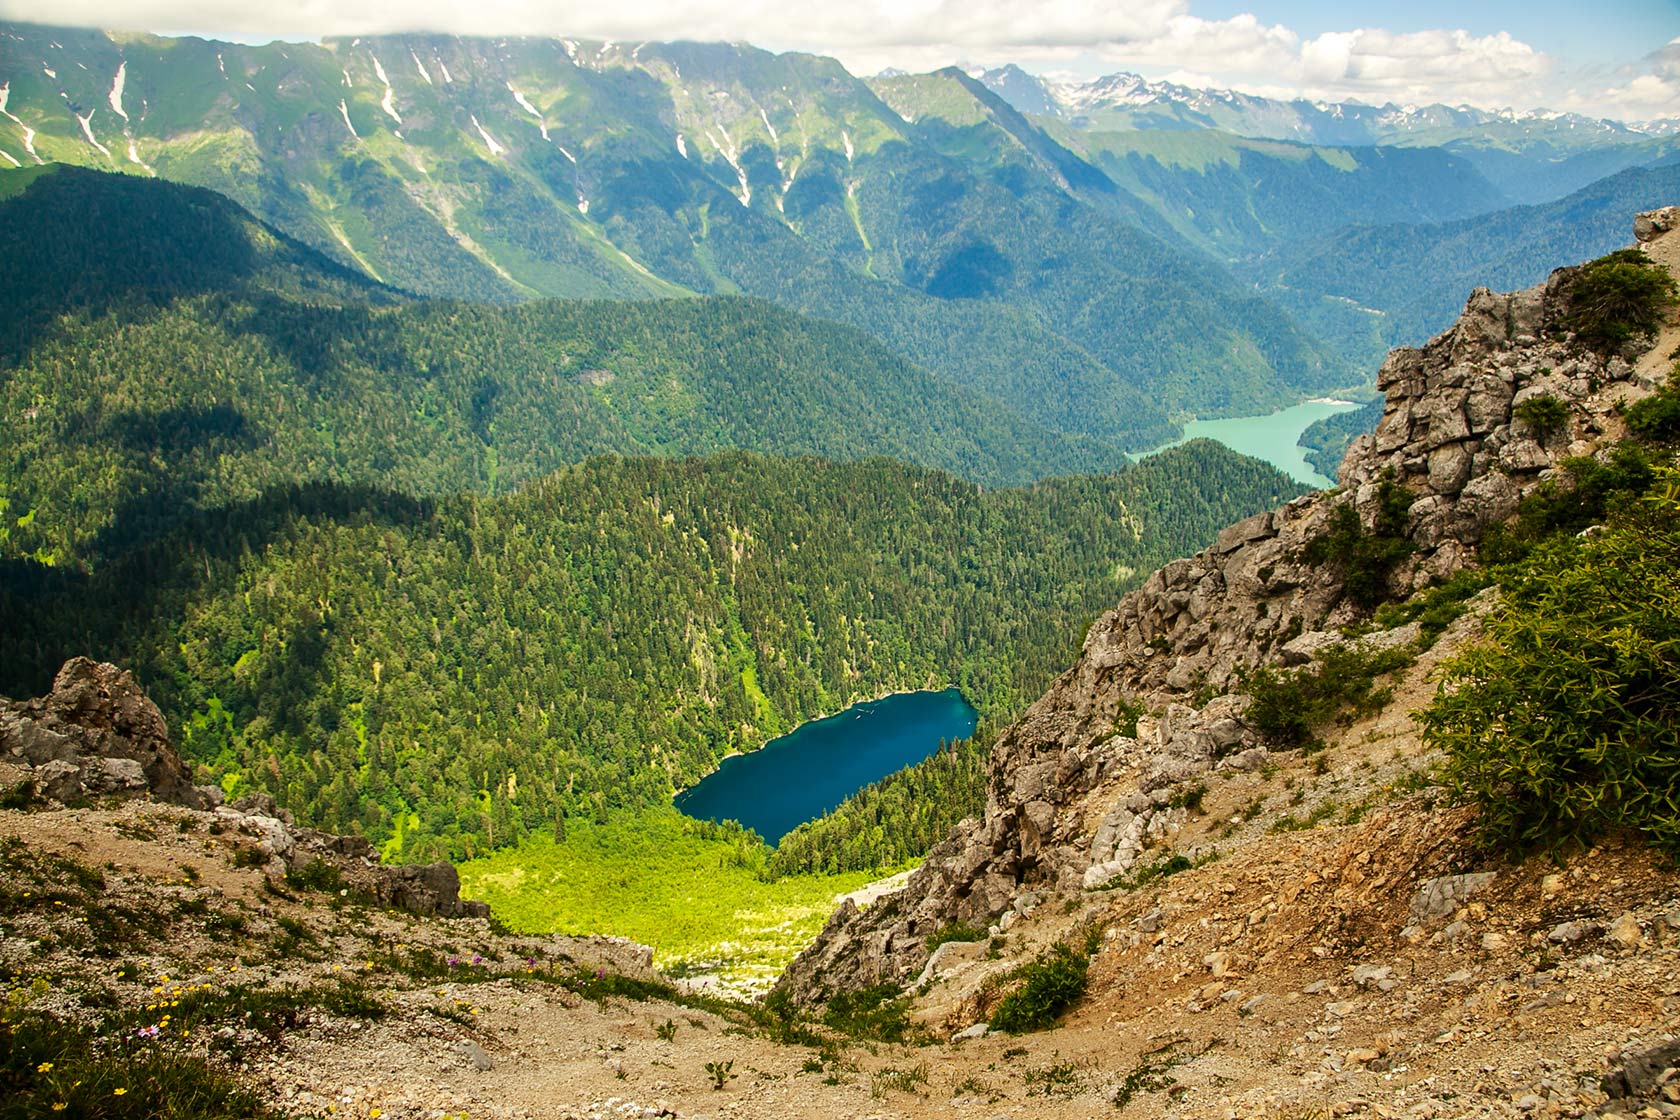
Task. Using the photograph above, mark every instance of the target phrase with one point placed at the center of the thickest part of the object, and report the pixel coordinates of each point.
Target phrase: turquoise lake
(804, 774)
(1272, 437)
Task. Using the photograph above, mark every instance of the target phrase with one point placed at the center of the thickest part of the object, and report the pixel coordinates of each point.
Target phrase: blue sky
(1617, 58)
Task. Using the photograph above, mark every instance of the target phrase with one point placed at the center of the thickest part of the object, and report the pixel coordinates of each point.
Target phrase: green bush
(1588, 493)
(1565, 723)
(1617, 298)
(879, 1013)
(953, 931)
(1365, 558)
(1657, 417)
(1435, 608)
(317, 875)
(1545, 415)
(1049, 986)
(49, 1067)
(1289, 706)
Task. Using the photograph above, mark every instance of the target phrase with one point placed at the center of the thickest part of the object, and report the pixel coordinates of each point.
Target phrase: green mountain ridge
(455, 674)
(502, 169)
(196, 358)
(1399, 284)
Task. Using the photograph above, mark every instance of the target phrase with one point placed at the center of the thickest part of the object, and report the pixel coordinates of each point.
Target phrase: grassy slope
(654, 877)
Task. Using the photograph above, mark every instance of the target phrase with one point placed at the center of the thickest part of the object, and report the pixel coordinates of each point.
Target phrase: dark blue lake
(803, 775)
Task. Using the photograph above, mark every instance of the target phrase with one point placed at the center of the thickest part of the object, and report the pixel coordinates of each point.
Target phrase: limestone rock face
(95, 734)
(1074, 799)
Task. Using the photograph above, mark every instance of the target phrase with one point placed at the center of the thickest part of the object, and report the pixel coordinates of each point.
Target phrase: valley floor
(1318, 968)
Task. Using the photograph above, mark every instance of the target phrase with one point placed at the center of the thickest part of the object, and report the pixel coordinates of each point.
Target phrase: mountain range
(621, 538)
(1096, 260)
(505, 169)
(1531, 155)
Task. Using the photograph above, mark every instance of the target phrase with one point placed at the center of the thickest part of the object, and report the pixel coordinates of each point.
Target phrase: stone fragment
(1567, 933)
(476, 1054)
(1449, 468)
(1442, 896)
(1652, 224)
(1625, 931)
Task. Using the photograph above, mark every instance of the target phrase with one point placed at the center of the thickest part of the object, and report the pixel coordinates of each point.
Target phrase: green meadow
(691, 889)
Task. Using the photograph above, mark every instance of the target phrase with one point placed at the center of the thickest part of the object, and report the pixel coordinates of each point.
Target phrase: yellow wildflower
(44, 1067)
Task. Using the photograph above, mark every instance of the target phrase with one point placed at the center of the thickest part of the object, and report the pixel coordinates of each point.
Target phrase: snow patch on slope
(389, 102)
(791, 174)
(726, 148)
(444, 70)
(115, 97)
(28, 133)
(421, 66)
(846, 138)
(87, 130)
(489, 140)
(134, 155)
(531, 109)
(9, 158)
(682, 146)
(344, 110)
(768, 127)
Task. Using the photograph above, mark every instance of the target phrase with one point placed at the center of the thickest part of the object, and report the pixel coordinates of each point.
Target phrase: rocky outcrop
(285, 848)
(97, 735)
(1075, 795)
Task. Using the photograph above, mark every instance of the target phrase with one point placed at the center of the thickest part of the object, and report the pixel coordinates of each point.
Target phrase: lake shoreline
(877, 698)
(802, 775)
(1274, 437)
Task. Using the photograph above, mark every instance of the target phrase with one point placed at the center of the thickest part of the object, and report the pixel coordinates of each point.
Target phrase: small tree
(1544, 415)
(1617, 298)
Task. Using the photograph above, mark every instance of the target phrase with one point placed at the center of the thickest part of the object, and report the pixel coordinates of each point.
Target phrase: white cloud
(1156, 37)
(836, 26)
(1370, 64)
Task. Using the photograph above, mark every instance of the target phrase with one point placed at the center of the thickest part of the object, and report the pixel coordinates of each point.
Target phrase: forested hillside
(449, 675)
(1400, 284)
(169, 352)
(356, 542)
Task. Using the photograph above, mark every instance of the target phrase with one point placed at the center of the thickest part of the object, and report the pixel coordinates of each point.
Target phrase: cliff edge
(1098, 771)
